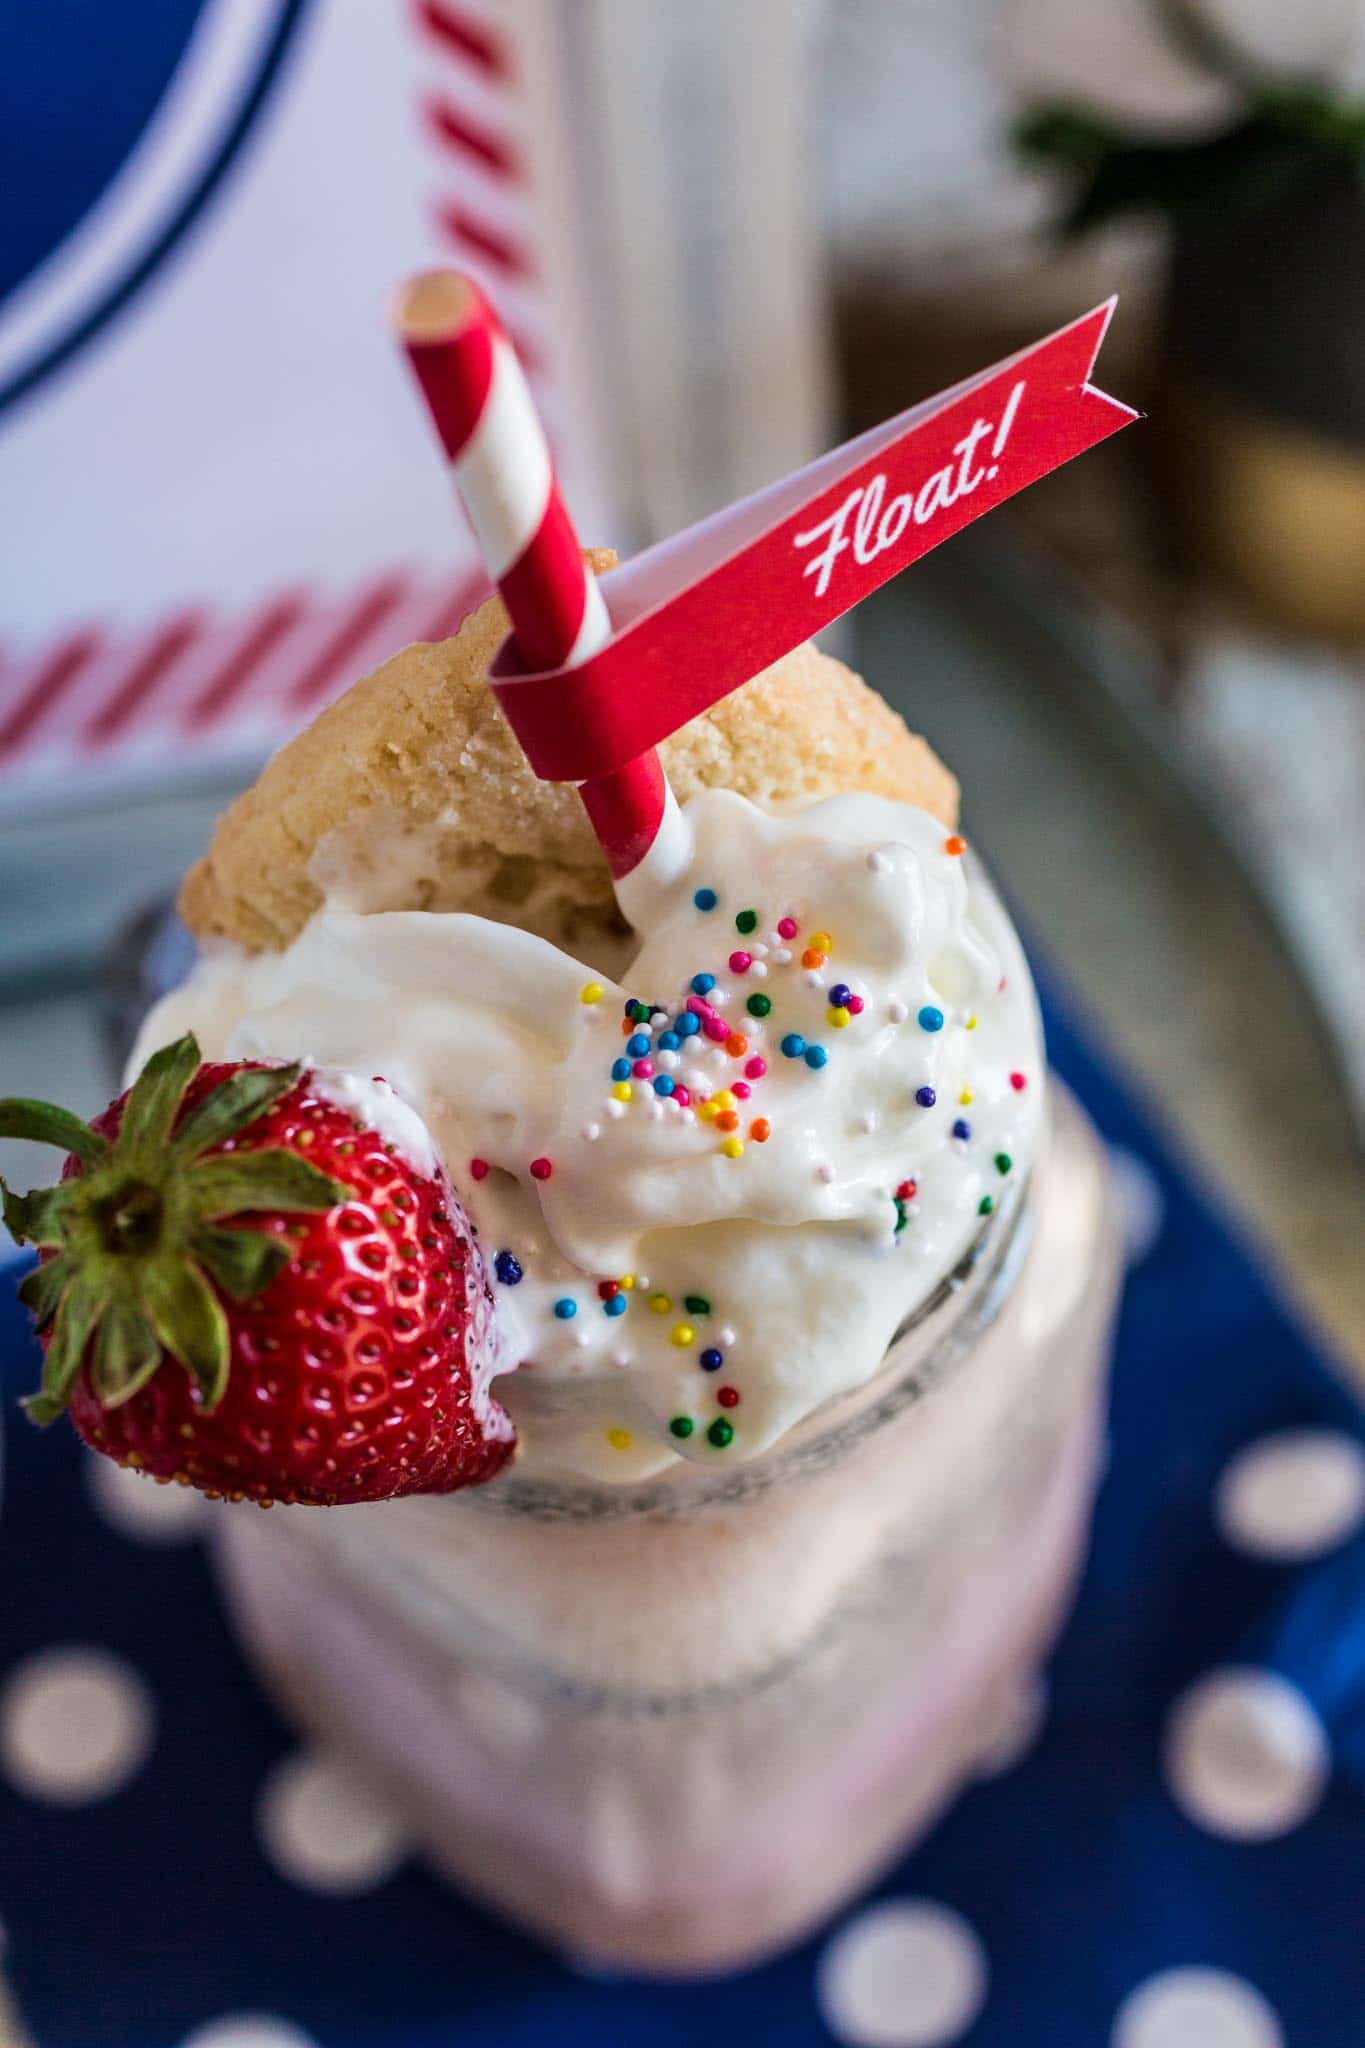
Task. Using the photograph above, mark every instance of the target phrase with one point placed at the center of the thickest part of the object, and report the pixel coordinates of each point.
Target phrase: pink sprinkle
(1018, 1082)
(698, 1005)
(756, 1068)
(682, 1097)
(479, 1168)
(854, 1006)
(787, 928)
(741, 1089)
(642, 1069)
(740, 962)
(715, 1027)
(541, 1169)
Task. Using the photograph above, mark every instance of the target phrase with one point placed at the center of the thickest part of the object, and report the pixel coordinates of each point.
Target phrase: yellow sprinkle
(708, 1111)
(724, 1099)
(971, 1021)
(682, 1334)
(965, 1097)
(620, 1439)
(660, 1304)
(838, 1017)
(622, 1090)
(591, 992)
(733, 1147)
(626, 1282)
(822, 942)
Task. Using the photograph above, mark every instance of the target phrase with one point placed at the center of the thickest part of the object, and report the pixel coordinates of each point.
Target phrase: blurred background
(723, 236)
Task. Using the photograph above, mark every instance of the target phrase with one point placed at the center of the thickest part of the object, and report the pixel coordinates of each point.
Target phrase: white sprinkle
(615, 1108)
(782, 957)
(717, 997)
(696, 1079)
(726, 1337)
(896, 1010)
(592, 1132)
(879, 862)
(623, 1359)
(668, 1061)
(719, 1055)
(758, 951)
(582, 1337)
(867, 1122)
(654, 1108)
(641, 1280)
(812, 977)
(759, 970)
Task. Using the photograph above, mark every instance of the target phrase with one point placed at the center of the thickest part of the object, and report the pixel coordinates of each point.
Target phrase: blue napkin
(1168, 1853)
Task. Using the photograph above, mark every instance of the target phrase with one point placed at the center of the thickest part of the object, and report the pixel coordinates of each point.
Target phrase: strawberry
(244, 1289)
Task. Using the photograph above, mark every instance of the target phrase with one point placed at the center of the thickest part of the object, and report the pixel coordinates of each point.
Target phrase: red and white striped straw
(487, 422)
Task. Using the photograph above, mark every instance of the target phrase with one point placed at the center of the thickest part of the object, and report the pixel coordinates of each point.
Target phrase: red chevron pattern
(198, 685)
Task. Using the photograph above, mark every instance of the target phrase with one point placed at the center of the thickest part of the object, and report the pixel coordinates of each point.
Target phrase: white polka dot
(248, 2030)
(75, 1725)
(908, 1974)
(1018, 1726)
(1142, 1206)
(138, 1508)
(326, 1830)
(1196, 2009)
(1293, 1495)
(1246, 1755)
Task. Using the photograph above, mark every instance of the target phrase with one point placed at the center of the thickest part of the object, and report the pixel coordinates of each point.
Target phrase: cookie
(410, 793)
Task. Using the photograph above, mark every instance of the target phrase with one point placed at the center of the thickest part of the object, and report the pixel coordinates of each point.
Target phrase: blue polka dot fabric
(1165, 1850)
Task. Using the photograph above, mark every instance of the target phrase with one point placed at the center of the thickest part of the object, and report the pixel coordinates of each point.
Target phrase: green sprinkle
(721, 1433)
(682, 1425)
(746, 922)
(1003, 1162)
(902, 1215)
(759, 1006)
(985, 1205)
(696, 1305)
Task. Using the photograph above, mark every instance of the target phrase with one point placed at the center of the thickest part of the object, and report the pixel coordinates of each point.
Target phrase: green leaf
(274, 1178)
(231, 1106)
(43, 1289)
(126, 1353)
(243, 1262)
(188, 1318)
(156, 1096)
(79, 1312)
(43, 1123)
(40, 1217)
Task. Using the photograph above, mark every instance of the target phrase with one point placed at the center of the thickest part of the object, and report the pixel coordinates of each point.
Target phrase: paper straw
(486, 419)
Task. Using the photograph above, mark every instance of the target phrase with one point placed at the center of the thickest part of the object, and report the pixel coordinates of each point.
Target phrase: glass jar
(669, 1726)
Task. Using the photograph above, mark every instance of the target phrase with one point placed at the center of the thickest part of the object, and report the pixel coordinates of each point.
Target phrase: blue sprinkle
(925, 1097)
(507, 1266)
(630, 1006)
(637, 1045)
(962, 1129)
(615, 1305)
(669, 1041)
(712, 1360)
(816, 1056)
(840, 994)
(687, 1024)
(706, 899)
(566, 1308)
(930, 1019)
(620, 1070)
(702, 984)
(793, 1045)
(663, 1084)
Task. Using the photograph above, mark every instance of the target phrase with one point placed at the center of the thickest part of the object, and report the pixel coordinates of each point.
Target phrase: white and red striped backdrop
(227, 507)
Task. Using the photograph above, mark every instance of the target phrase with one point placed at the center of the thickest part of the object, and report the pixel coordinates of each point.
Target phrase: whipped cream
(708, 1225)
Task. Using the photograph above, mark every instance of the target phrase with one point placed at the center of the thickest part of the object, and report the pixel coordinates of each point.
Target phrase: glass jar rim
(989, 1266)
